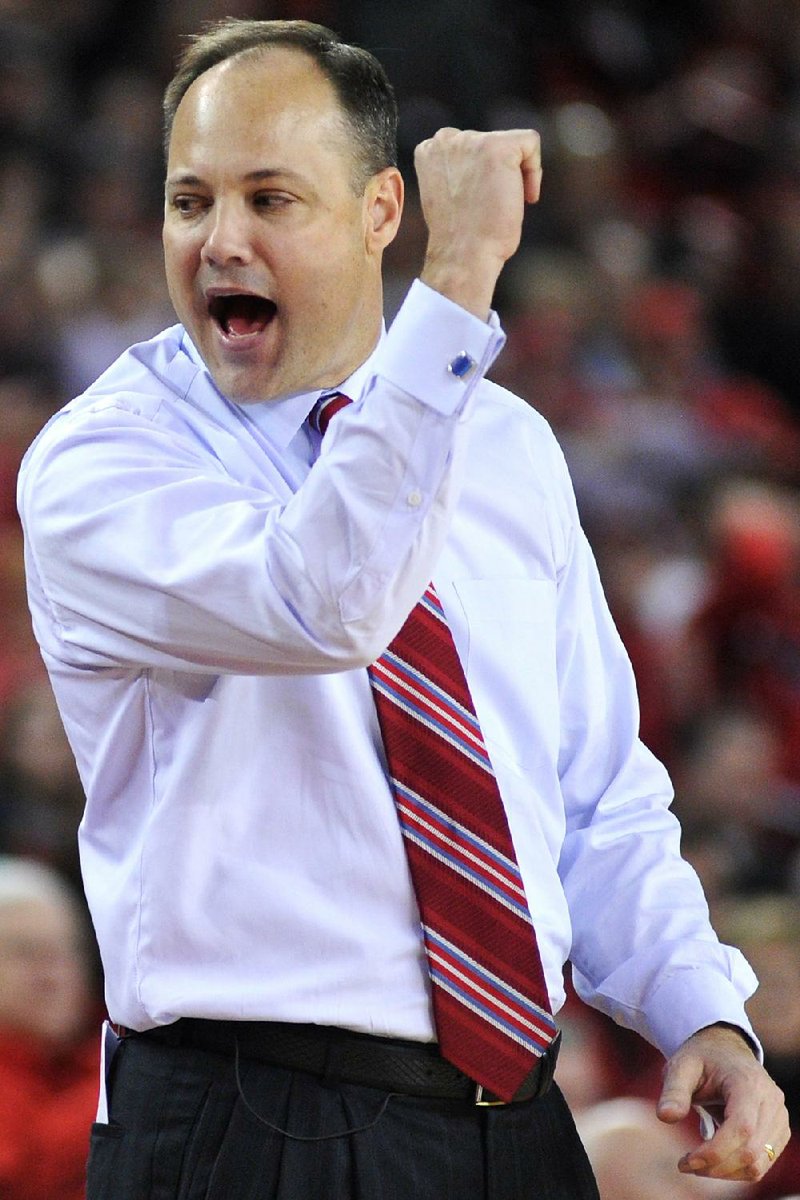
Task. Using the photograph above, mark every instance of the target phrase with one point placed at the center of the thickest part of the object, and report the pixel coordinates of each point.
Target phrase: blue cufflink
(462, 365)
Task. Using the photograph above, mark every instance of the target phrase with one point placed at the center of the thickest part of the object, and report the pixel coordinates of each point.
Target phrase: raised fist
(473, 189)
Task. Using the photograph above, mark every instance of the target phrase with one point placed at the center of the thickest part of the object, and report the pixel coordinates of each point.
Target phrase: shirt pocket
(511, 666)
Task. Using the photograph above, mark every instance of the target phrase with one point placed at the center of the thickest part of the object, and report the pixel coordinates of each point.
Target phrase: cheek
(310, 302)
(330, 275)
(179, 267)
(334, 295)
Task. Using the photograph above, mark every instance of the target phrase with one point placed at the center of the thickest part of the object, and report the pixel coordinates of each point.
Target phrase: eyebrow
(187, 179)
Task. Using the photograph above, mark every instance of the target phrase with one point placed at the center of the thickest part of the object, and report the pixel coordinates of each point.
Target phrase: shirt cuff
(691, 1000)
(436, 351)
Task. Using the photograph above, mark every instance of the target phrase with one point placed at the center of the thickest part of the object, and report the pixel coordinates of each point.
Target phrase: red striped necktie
(490, 1002)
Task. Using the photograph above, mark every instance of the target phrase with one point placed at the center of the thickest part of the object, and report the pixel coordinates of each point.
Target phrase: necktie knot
(326, 409)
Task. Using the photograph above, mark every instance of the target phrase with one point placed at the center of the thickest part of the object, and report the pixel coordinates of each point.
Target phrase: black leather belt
(340, 1055)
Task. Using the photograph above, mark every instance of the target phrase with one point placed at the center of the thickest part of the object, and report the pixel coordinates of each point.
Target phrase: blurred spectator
(41, 799)
(26, 401)
(104, 293)
(554, 306)
(767, 929)
(731, 779)
(635, 1156)
(715, 856)
(588, 1071)
(482, 63)
(748, 629)
(49, 1066)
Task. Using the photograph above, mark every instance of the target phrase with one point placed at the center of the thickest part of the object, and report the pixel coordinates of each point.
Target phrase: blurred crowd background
(653, 314)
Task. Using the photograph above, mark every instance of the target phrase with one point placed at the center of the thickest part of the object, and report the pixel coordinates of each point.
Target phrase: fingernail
(693, 1164)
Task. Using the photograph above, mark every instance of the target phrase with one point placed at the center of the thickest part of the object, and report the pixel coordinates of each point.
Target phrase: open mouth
(240, 315)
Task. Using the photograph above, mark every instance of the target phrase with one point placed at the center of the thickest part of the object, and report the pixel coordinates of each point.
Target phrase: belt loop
(547, 1067)
(537, 1083)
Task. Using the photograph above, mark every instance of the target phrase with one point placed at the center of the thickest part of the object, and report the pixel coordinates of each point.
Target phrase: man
(48, 1058)
(209, 581)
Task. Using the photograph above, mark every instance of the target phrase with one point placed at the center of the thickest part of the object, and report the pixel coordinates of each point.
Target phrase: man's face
(43, 971)
(272, 259)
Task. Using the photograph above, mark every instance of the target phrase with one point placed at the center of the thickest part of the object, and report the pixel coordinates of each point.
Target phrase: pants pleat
(183, 1127)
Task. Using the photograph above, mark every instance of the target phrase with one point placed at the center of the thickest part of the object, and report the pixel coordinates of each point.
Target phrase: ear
(383, 207)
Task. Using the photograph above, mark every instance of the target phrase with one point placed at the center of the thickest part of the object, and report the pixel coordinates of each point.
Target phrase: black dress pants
(184, 1127)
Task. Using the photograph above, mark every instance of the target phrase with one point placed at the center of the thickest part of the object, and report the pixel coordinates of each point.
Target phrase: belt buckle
(479, 1101)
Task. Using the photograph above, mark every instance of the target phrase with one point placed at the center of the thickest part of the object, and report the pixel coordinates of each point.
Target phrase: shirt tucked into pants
(183, 1127)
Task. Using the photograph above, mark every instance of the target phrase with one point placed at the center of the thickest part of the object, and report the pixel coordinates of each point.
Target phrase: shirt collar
(282, 418)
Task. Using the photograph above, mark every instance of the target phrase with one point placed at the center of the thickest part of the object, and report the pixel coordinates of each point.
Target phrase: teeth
(241, 314)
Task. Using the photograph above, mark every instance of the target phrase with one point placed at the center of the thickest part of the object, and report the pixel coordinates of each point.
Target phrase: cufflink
(462, 365)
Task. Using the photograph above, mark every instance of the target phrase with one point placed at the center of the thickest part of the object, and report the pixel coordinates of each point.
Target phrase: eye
(271, 200)
(188, 205)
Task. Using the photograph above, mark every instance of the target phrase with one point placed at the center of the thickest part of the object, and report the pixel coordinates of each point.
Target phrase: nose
(228, 239)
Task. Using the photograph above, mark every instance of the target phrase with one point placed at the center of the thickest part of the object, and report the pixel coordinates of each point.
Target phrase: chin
(242, 388)
(241, 396)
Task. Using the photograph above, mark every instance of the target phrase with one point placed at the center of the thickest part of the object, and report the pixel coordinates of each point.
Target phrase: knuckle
(471, 140)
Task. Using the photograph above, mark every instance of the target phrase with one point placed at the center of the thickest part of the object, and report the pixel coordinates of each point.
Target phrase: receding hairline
(251, 58)
(363, 90)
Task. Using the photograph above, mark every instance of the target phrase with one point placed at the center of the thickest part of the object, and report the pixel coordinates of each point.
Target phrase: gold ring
(770, 1151)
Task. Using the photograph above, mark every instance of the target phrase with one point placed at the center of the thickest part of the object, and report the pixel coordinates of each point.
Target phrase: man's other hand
(716, 1068)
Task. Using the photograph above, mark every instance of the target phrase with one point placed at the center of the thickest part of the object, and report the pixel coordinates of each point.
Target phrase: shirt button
(414, 499)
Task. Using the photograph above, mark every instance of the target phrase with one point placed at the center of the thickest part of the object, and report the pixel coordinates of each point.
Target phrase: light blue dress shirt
(208, 584)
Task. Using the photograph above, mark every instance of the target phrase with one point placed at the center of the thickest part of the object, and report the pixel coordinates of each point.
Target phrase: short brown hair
(361, 84)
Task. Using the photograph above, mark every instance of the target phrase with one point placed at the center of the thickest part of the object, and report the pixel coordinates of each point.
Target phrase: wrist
(469, 285)
(735, 1031)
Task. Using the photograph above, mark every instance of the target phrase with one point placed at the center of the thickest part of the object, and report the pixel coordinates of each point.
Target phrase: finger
(717, 1161)
(530, 149)
(681, 1079)
(736, 1143)
(746, 1165)
(743, 1148)
(532, 182)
